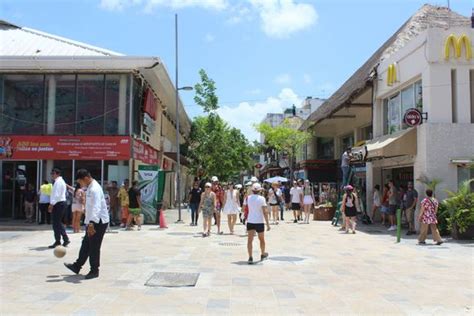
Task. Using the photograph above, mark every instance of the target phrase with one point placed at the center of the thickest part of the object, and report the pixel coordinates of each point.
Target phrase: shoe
(295, 221)
(54, 245)
(66, 242)
(439, 243)
(72, 267)
(91, 275)
(264, 256)
(353, 231)
(392, 228)
(250, 261)
(422, 243)
(220, 233)
(139, 227)
(409, 233)
(122, 225)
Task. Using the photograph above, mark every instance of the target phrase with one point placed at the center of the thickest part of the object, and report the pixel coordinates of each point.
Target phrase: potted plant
(460, 205)
(324, 212)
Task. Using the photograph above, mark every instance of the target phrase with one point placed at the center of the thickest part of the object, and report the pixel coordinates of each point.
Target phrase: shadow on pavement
(76, 279)
(40, 248)
(245, 263)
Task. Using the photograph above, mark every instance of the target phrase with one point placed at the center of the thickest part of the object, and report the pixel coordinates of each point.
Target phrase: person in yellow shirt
(45, 194)
(124, 202)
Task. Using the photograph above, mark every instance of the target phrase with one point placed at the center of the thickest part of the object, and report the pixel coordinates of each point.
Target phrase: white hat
(254, 179)
(256, 187)
(214, 179)
(238, 186)
(248, 184)
(208, 185)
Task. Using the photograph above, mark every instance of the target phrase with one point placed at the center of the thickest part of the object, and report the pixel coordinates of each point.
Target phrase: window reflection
(90, 104)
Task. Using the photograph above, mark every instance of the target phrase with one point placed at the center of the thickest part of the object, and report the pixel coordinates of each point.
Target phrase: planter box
(324, 213)
(467, 235)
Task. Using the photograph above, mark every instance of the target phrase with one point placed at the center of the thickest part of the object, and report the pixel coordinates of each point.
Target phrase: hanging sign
(413, 117)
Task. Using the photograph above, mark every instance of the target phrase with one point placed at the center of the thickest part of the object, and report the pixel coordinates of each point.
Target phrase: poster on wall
(148, 183)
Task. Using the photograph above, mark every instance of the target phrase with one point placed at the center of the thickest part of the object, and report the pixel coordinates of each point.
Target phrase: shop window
(93, 166)
(22, 104)
(325, 147)
(116, 171)
(366, 132)
(346, 142)
(112, 87)
(66, 171)
(464, 174)
(63, 100)
(396, 106)
(90, 105)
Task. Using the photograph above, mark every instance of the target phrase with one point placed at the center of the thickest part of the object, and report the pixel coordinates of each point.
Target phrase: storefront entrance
(400, 176)
(16, 175)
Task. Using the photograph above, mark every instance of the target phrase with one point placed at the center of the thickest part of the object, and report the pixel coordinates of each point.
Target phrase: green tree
(215, 148)
(285, 138)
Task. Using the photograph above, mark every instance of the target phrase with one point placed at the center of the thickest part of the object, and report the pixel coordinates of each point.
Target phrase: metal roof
(22, 41)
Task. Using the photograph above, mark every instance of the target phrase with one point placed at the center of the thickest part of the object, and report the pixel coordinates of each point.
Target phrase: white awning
(463, 161)
(398, 144)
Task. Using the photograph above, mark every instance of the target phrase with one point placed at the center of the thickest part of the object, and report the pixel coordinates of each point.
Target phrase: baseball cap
(214, 179)
(349, 187)
(208, 185)
(256, 187)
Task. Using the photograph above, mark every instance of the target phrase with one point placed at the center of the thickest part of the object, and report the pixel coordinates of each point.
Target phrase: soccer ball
(59, 251)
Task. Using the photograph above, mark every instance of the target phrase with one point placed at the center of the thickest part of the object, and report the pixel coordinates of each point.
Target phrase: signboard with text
(22, 147)
(413, 117)
(145, 153)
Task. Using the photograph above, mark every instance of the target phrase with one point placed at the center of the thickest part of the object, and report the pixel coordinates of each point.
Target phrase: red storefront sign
(150, 104)
(145, 153)
(65, 147)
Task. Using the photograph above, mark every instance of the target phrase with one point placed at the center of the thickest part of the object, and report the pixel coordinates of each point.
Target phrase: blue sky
(264, 55)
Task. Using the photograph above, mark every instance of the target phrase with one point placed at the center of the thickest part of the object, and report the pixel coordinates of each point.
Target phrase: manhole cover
(180, 234)
(172, 279)
(230, 244)
(286, 258)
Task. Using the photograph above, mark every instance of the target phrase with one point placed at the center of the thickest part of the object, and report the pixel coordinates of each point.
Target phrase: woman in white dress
(231, 206)
(308, 200)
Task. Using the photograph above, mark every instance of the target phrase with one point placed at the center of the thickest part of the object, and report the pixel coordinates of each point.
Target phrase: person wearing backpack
(349, 208)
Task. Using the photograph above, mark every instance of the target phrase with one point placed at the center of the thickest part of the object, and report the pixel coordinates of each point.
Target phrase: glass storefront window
(90, 105)
(22, 104)
(93, 166)
(419, 96)
(112, 87)
(325, 147)
(464, 174)
(394, 118)
(408, 102)
(346, 142)
(63, 88)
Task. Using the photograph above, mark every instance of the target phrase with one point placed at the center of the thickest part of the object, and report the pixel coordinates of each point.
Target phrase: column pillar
(51, 117)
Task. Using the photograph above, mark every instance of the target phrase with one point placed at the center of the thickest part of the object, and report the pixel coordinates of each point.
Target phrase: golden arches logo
(392, 74)
(457, 45)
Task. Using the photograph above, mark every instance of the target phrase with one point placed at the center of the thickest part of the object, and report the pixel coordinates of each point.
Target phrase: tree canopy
(215, 148)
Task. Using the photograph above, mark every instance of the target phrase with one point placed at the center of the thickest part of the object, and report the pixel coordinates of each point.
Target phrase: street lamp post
(178, 150)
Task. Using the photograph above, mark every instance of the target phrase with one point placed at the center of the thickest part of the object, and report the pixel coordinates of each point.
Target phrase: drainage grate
(286, 258)
(172, 279)
(230, 244)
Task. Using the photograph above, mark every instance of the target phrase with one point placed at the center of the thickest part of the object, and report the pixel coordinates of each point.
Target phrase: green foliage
(431, 184)
(443, 216)
(460, 205)
(215, 148)
(206, 93)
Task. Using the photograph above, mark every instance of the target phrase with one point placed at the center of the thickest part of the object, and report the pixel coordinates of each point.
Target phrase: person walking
(124, 202)
(57, 207)
(428, 219)
(78, 205)
(194, 199)
(345, 166)
(44, 198)
(296, 200)
(231, 206)
(97, 219)
(135, 204)
(376, 203)
(349, 208)
(411, 199)
(392, 204)
(113, 191)
(219, 192)
(385, 207)
(208, 207)
(274, 199)
(308, 200)
(29, 204)
(257, 217)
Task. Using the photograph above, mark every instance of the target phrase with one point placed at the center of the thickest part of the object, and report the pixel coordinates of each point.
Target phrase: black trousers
(90, 248)
(45, 216)
(194, 212)
(282, 209)
(58, 227)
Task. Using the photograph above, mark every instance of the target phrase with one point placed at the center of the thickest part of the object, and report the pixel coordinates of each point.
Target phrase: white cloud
(307, 79)
(209, 38)
(240, 13)
(150, 5)
(283, 79)
(244, 115)
(281, 18)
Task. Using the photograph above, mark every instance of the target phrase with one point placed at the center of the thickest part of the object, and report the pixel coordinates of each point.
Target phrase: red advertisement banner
(65, 147)
(145, 153)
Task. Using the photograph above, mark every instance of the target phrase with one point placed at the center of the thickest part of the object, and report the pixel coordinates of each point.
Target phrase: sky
(264, 55)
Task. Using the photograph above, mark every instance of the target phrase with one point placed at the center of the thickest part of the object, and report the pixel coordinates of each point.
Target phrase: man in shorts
(411, 201)
(134, 206)
(392, 204)
(296, 201)
(257, 217)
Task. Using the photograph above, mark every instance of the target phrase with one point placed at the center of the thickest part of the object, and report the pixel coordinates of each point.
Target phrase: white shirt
(296, 194)
(96, 207)
(59, 191)
(256, 204)
(377, 198)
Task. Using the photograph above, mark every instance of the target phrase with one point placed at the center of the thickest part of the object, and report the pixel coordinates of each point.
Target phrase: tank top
(208, 203)
(307, 190)
(350, 200)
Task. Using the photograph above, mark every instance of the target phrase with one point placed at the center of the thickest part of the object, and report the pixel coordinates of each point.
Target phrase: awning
(463, 161)
(398, 144)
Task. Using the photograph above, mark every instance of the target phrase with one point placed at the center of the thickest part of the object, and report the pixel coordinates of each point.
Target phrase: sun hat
(256, 187)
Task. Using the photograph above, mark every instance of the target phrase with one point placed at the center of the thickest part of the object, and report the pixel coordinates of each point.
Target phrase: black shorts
(392, 209)
(274, 204)
(260, 228)
(295, 206)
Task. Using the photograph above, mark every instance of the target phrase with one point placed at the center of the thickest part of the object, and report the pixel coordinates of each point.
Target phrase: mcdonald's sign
(457, 45)
(392, 74)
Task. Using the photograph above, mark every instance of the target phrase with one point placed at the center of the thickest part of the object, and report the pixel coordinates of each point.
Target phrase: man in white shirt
(296, 193)
(258, 213)
(57, 207)
(97, 219)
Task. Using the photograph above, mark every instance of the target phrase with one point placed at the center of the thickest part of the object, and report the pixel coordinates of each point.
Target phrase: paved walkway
(312, 269)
